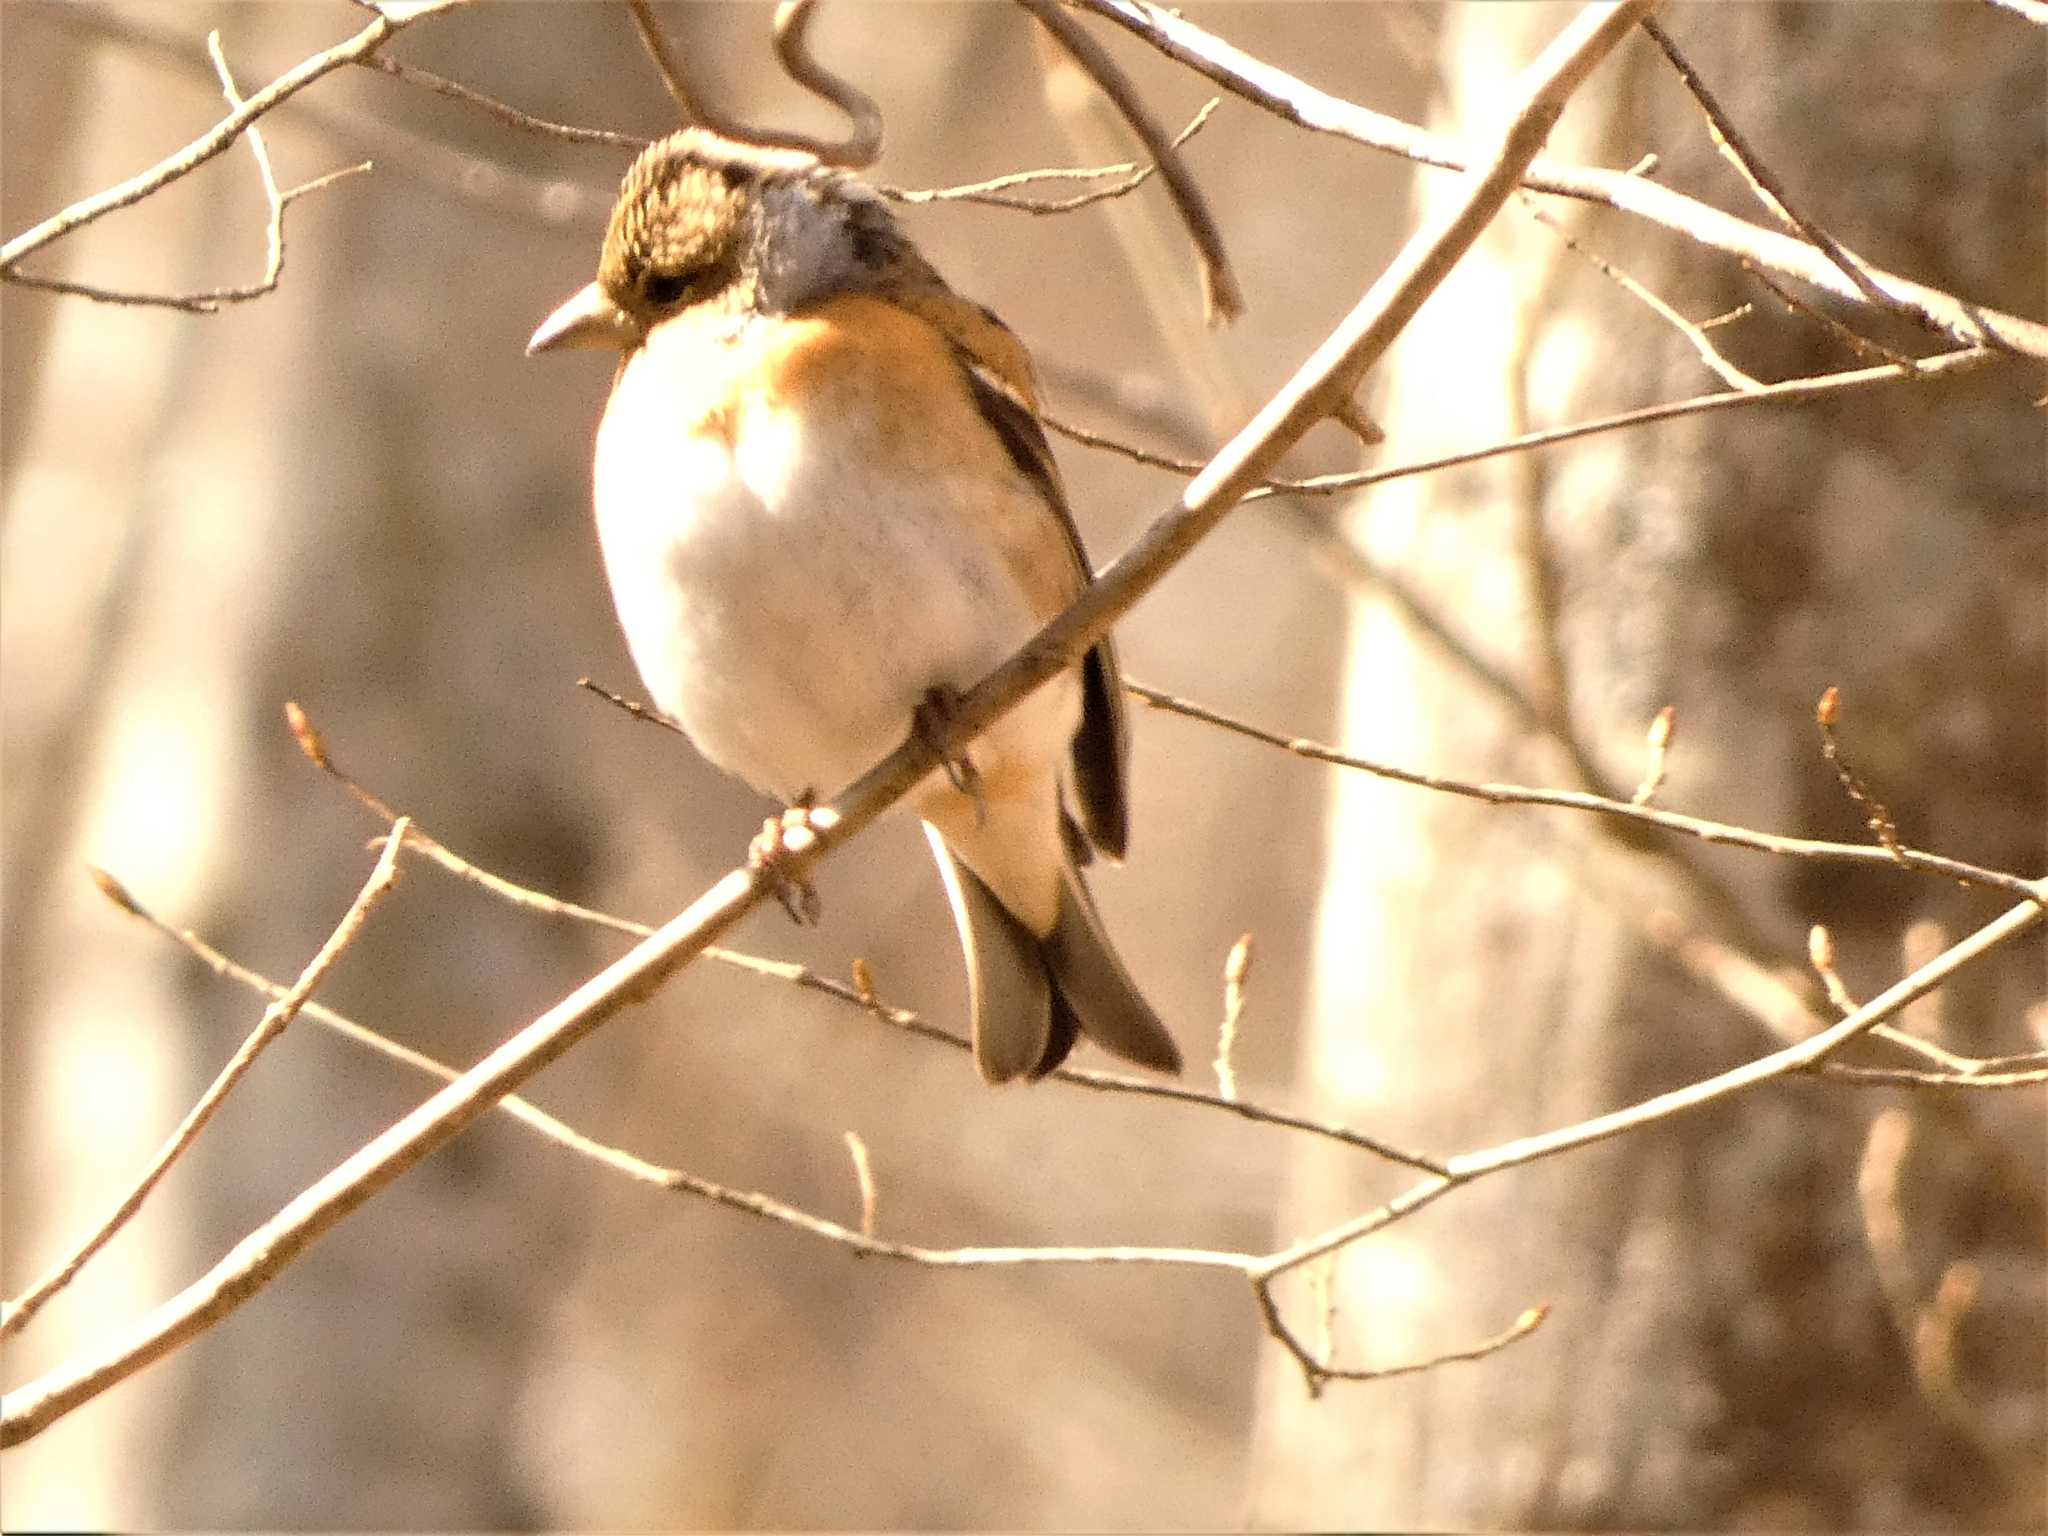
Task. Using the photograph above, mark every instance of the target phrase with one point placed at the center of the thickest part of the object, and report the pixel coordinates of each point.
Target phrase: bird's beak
(588, 319)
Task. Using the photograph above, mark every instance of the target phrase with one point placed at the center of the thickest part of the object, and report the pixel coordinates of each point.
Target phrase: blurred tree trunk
(1722, 1350)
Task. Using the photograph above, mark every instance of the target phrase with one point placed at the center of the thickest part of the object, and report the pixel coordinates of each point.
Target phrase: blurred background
(1812, 1306)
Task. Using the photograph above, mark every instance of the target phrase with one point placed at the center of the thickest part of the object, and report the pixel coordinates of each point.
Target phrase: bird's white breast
(794, 573)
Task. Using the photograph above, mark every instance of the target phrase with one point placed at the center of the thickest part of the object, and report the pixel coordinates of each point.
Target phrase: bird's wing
(999, 376)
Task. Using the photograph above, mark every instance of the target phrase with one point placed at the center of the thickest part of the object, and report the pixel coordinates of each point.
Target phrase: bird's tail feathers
(1031, 998)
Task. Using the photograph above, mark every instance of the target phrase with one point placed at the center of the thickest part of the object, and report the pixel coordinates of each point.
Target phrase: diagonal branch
(1769, 190)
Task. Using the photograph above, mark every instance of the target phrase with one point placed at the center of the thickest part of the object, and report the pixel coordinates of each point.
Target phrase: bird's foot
(794, 831)
(932, 723)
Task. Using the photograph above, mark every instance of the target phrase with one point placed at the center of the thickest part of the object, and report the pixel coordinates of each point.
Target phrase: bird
(826, 508)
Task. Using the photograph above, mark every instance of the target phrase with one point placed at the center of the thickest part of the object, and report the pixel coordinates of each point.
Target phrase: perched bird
(826, 509)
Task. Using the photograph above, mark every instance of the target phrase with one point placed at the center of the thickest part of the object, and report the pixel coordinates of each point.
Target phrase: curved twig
(859, 149)
(862, 146)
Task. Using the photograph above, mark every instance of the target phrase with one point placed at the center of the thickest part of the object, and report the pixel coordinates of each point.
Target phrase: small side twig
(864, 1177)
(1827, 714)
(1565, 799)
(1791, 391)
(863, 143)
(1858, 343)
(15, 1315)
(1820, 950)
(1318, 1371)
(1694, 334)
(1656, 746)
(989, 192)
(511, 116)
(1236, 968)
(634, 707)
(654, 41)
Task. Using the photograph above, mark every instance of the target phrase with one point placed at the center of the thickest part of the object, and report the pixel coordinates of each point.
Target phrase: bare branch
(1300, 103)
(988, 192)
(1801, 1057)
(655, 41)
(1789, 392)
(1317, 1371)
(1863, 347)
(511, 116)
(207, 301)
(385, 26)
(1908, 1077)
(16, 1314)
(863, 144)
(633, 707)
(1671, 821)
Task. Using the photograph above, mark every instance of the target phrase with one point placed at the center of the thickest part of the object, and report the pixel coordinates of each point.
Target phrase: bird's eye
(665, 288)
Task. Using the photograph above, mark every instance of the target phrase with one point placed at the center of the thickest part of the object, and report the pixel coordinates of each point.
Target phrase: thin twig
(16, 1314)
(1766, 997)
(1858, 343)
(1317, 1370)
(989, 192)
(1826, 714)
(1768, 189)
(1656, 747)
(1237, 967)
(860, 995)
(448, 171)
(1910, 1077)
(511, 116)
(654, 41)
(862, 145)
(1791, 391)
(1695, 335)
(1564, 799)
(633, 707)
(1222, 299)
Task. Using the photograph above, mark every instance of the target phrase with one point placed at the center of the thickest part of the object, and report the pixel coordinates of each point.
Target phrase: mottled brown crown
(686, 225)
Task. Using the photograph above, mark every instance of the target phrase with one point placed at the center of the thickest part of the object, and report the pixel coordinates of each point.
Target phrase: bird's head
(704, 220)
